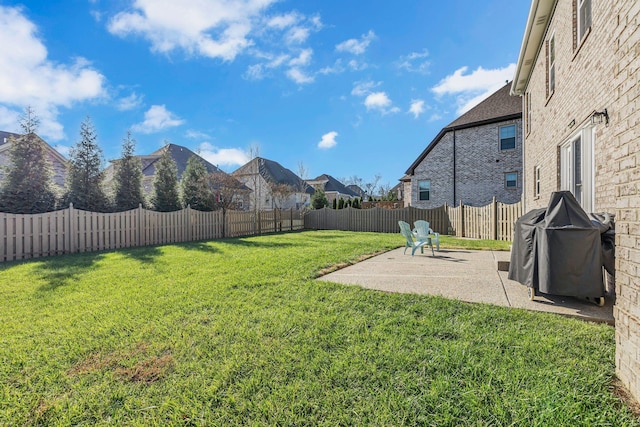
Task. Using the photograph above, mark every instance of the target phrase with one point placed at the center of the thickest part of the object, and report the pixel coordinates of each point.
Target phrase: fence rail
(72, 230)
(493, 222)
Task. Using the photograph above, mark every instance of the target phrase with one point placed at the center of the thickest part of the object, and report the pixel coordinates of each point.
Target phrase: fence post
(494, 219)
(71, 242)
(139, 225)
(188, 222)
(462, 227)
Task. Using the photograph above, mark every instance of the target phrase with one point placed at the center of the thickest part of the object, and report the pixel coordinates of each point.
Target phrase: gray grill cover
(558, 250)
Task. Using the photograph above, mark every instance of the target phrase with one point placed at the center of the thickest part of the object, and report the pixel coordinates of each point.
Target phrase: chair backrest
(405, 230)
(422, 227)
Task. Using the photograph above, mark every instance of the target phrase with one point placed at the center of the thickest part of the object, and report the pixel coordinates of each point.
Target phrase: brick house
(475, 158)
(58, 162)
(334, 189)
(273, 186)
(577, 75)
(179, 154)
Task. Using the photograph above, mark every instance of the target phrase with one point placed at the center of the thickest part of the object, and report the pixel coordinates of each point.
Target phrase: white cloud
(284, 21)
(299, 76)
(474, 87)
(297, 35)
(363, 88)
(415, 62)
(336, 68)
(156, 119)
(328, 140)
(435, 117)
(195, 134)
(63, 149)
(379, 101)
(129, 102)
(254, 72)
(223, 156)
(29, 78)
(303, 59)
(215, 28)
(417, 107)
(355, 46)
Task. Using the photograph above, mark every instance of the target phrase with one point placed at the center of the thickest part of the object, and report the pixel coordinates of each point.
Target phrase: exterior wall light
(598, 116)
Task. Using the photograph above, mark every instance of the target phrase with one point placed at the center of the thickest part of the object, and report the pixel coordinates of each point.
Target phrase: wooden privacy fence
(72, 230)
(493, 222)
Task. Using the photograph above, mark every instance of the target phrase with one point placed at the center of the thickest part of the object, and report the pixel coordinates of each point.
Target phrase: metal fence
(493, 221)
(72, 230)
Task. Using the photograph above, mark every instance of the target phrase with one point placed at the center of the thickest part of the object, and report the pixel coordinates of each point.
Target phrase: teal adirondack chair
(405, 230)
(422, 231)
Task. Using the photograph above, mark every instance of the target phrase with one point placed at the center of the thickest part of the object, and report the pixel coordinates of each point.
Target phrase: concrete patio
(466, 275)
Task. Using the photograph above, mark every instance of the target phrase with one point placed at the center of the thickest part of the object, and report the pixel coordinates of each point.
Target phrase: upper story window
(424, 187)
(508, 137)
(584, 18)
(536, 181)
(551, 65)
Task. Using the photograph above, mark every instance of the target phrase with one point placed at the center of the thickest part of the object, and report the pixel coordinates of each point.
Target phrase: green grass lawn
(236, 332)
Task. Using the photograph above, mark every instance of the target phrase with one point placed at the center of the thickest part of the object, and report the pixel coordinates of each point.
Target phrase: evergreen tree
(319, 199)
(334, 204)
(27, 185)
(356, 203)
(128, 177)
(84, 180)
(341, 203)
(196, 191)
(165, 184)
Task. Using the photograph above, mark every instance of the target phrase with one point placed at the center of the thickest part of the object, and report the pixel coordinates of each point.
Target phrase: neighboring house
(405, 181)
(398, 190)
(59, 164)
(475, 158)
(273, 185)
(577, 74)
(357, 190)
(334, 189)
(179, 154)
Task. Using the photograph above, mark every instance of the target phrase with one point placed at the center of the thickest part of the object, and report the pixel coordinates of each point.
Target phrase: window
(551, 65)
(536, 181)
(511, 179)
(584, 18)
(576, 167)
(508, 137)
(424, 188)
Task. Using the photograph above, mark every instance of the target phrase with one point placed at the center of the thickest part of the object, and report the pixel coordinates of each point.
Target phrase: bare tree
(281, 193)
(303, 173)
(371, 186)
(228, 193)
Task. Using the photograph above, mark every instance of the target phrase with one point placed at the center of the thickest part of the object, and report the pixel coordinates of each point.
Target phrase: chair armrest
(437, 239)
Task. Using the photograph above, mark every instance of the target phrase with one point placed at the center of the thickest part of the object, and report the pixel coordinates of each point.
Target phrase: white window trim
(420, 191)
(536, 182)
(580, 24)
(552, 64)
(586, 135)
(515, 137)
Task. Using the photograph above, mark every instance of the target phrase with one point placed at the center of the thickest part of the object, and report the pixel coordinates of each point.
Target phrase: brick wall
(601, 72)
(479, 172)
(626, 159)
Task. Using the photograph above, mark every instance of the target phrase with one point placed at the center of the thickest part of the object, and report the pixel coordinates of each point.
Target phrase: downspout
(454, 167)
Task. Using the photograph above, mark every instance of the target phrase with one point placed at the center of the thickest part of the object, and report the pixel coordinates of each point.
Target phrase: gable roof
(179, 154)
(498, 107)
(356, 189)
(272, 172)
(4, 145)
(4, 136)
(332, 184)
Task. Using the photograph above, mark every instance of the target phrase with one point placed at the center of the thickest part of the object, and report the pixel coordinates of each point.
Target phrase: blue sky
(345, 87)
